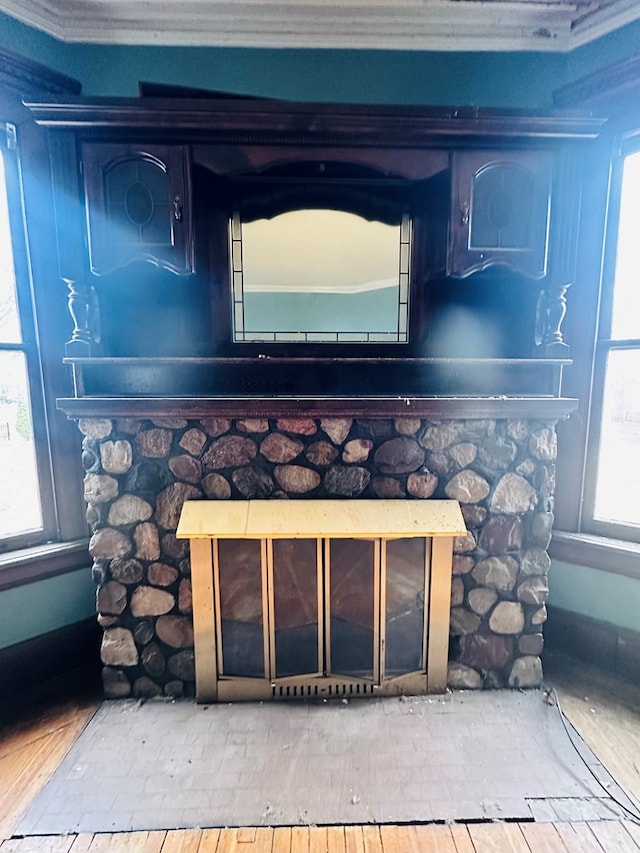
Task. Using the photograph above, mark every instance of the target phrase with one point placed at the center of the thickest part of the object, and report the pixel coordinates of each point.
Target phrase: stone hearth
(140, 471)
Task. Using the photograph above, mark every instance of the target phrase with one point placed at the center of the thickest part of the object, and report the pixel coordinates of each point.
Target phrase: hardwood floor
(606, 712)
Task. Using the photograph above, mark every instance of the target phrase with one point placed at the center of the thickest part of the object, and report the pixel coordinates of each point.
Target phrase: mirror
(320, 276)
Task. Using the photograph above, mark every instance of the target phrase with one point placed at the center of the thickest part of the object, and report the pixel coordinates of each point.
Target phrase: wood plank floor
(605, 712)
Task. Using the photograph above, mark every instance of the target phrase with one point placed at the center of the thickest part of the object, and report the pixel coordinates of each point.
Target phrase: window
(612, 498)
(26, 504)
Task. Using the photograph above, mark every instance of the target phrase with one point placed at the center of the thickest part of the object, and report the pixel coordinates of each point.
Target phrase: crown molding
(481, 25)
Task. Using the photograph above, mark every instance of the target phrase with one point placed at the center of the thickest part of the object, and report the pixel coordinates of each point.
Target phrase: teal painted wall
(36, 608)
(591, 592)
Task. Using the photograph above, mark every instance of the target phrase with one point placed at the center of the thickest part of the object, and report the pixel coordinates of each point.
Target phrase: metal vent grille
(312, 689)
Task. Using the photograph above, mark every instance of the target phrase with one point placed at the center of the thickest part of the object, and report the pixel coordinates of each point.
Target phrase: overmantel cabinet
(500, 205)
(138, 205)
(485, 204)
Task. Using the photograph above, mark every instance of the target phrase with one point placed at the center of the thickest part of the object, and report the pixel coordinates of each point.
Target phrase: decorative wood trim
(597, 552)
(269, 121)
(540, 408)
(614, 649)
(45, 561)
(24, 75)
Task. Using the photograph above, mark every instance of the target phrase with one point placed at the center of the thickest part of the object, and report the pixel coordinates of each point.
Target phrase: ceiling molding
(482, 25)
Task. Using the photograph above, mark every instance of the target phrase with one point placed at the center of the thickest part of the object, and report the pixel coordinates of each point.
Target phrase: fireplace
(412, 351)
(140, 471)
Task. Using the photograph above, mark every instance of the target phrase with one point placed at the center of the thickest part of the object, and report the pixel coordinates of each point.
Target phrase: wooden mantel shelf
(281, 407)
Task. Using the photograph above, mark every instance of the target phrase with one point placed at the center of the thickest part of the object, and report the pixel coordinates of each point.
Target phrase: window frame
(28, 346)
(612, 91)
(61, 545)
(627, 144)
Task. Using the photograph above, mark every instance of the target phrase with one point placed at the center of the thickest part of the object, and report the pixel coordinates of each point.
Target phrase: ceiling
(542, 25)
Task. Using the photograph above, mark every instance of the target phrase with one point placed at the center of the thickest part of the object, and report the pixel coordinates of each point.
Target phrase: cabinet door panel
(138, 206)
(499, 211)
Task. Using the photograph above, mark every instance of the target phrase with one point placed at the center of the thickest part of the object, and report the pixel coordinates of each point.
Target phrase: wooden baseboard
(614, 649)
(27, 665)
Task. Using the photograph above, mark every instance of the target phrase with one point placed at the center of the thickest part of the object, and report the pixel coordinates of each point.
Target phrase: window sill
(597, 552)
(43, 561)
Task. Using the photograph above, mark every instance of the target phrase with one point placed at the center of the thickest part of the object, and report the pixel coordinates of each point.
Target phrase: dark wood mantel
(439, 408)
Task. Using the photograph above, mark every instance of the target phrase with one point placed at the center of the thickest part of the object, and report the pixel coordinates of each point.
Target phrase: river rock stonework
(139, 473)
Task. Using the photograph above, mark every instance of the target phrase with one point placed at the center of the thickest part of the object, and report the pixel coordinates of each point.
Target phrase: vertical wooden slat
(327, 604)
(181, 841)
(371, 839)
(543, 838)
(461, 838)
(439, 605)
(498, 837)
(398, 839)
(317, 839)
(578, 838)
(377, 614)
(261, 840)
(335, 839)
(268, 592)
(266, 644)
(634, 830)
(82, 842)
(209, 841)
(353, 840)
(382, 610)
(228, 841)
(427, 593)
(321, 597)
(217, 607)
(246, 835)
(204, 629)
(300, 839)
(613, 836)
(281, 842)
(434, 837)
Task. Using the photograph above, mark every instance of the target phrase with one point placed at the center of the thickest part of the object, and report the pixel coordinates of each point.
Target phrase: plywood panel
(327, 518)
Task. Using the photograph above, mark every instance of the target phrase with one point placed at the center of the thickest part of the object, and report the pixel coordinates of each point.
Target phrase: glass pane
(20, 510)
(501, 208)
(626, 299)
(618, 479)
(9, 320)
(351, 607)
(319, 274)
(404, 606)
(138, 202)
(240, 572)
(295, 593)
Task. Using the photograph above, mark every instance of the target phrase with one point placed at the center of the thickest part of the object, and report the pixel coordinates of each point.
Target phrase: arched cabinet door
(500, 203)
(138, 204)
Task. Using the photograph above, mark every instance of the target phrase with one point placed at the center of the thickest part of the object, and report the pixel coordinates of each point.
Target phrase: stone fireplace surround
(140, 470)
